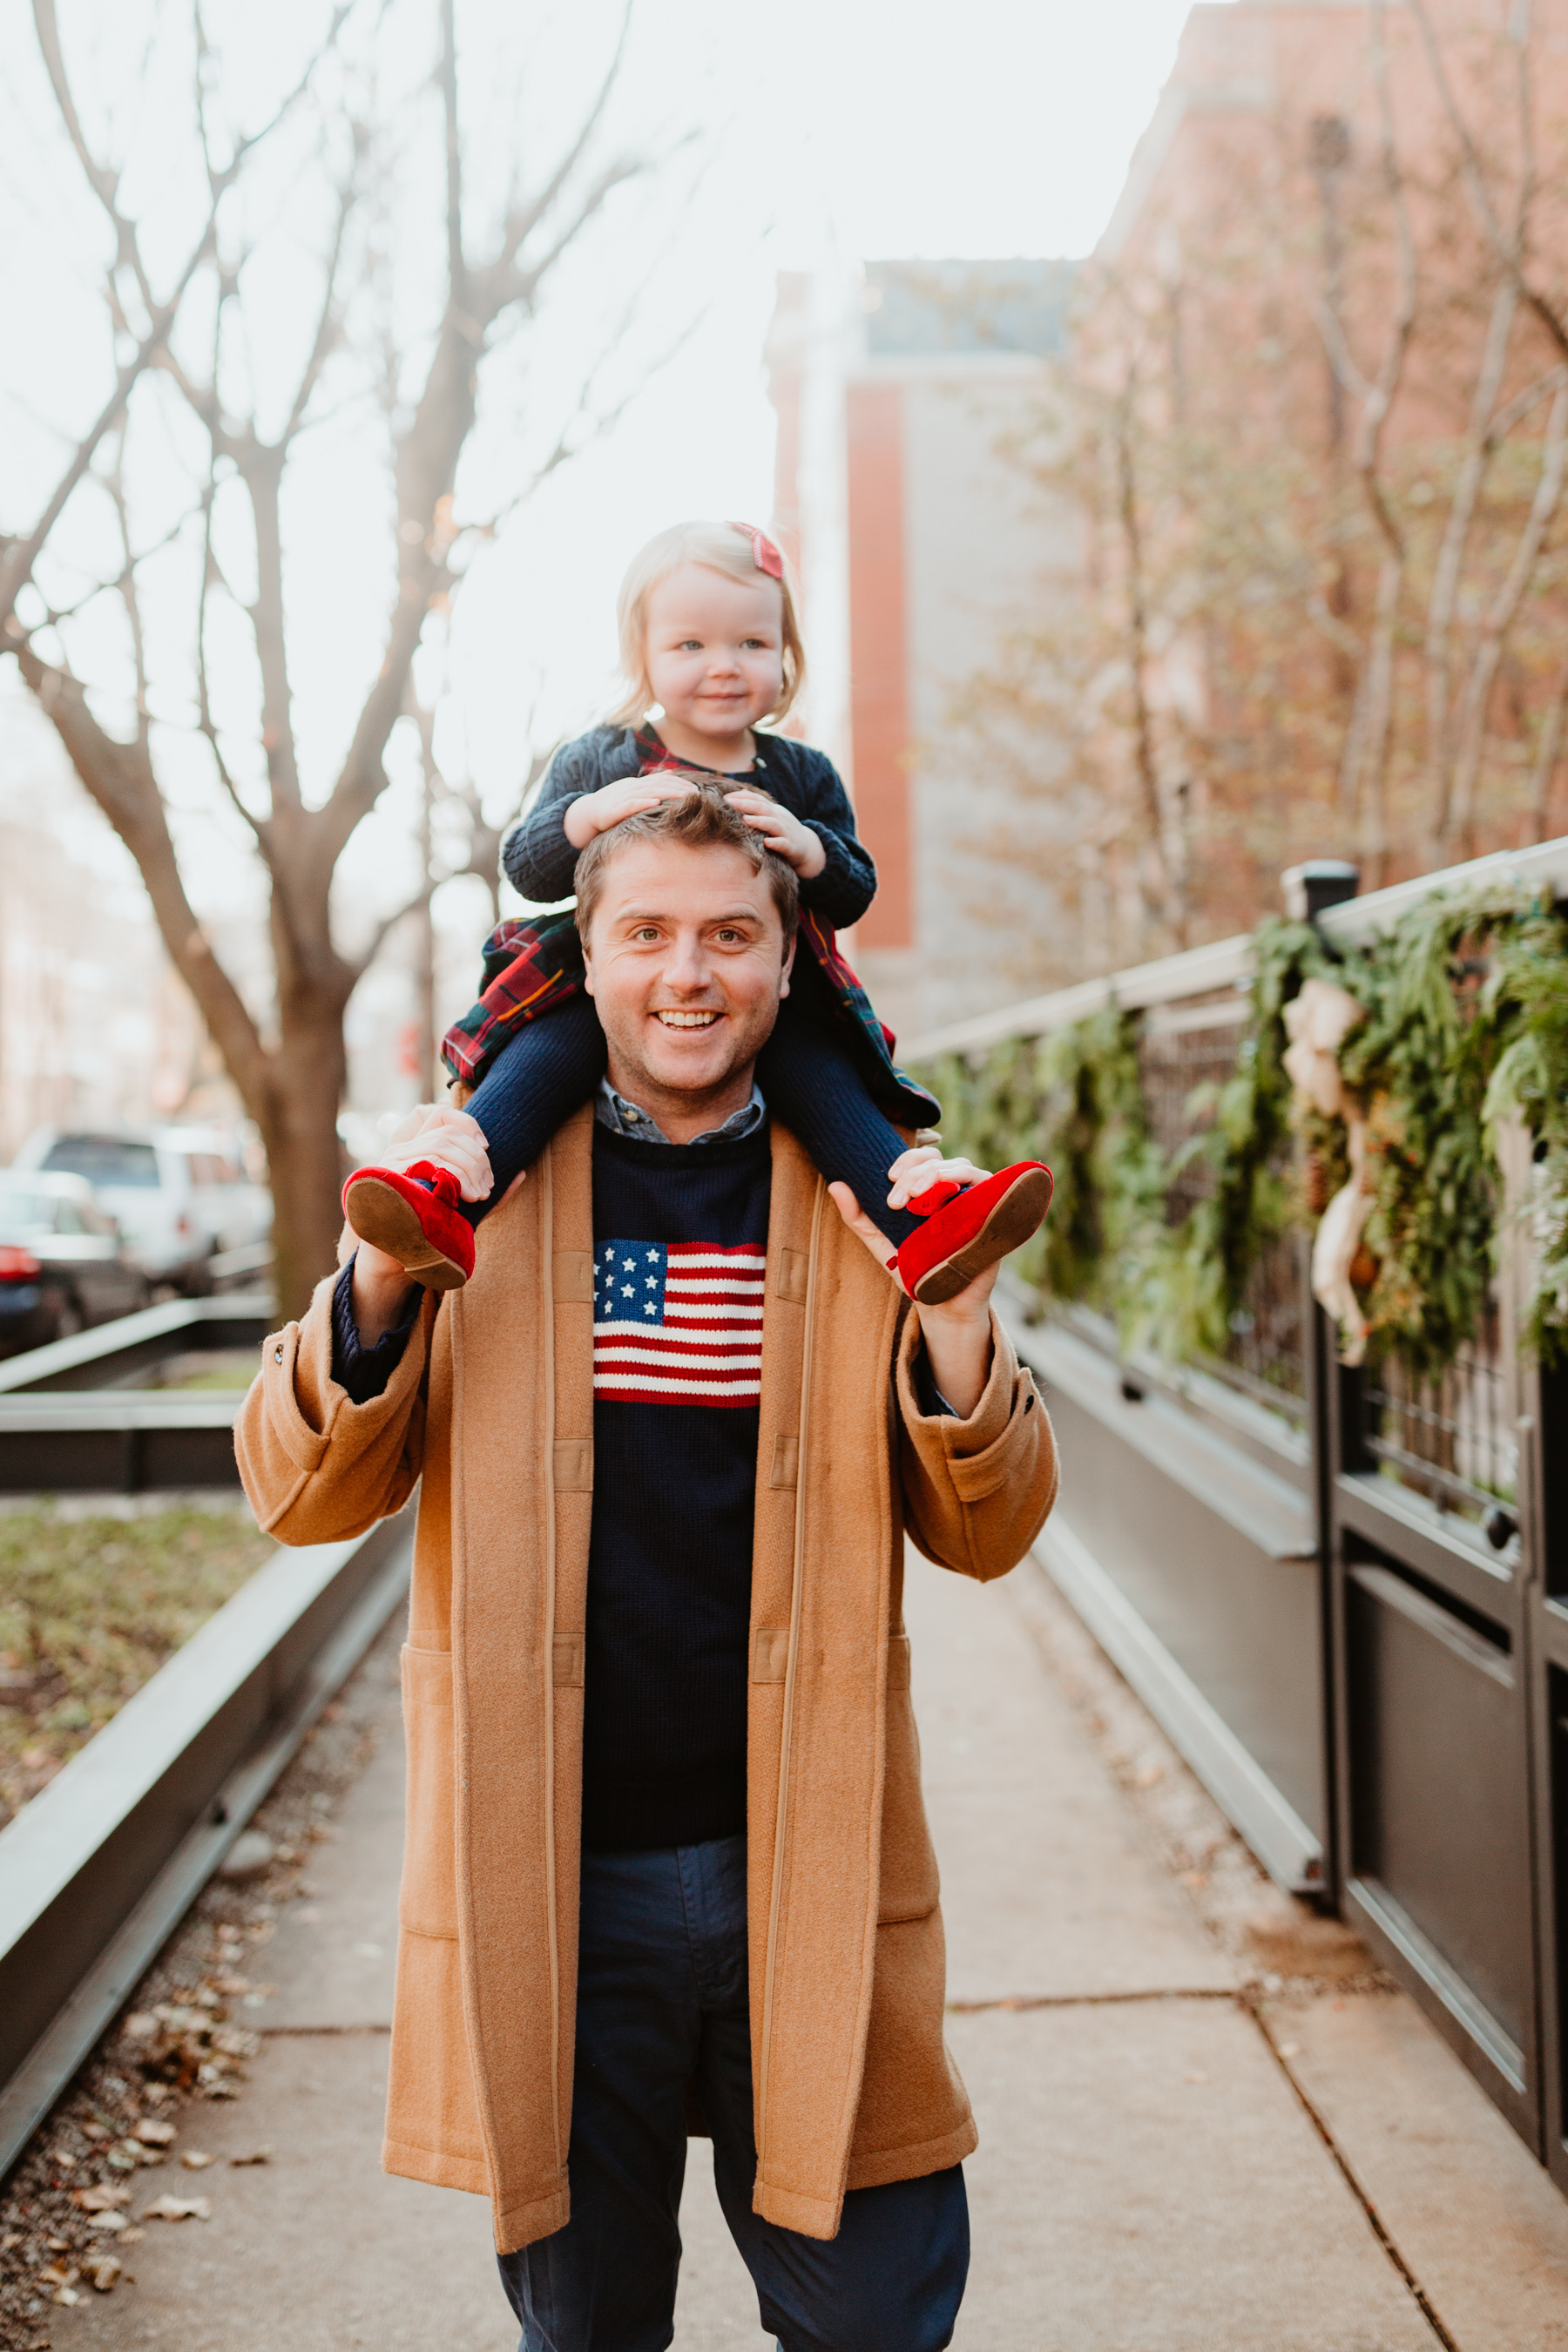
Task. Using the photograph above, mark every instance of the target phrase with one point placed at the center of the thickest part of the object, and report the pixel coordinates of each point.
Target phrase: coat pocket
(428, 1904)
(910, 1882)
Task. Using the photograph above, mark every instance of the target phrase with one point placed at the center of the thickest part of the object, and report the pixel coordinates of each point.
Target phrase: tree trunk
(297, 1116)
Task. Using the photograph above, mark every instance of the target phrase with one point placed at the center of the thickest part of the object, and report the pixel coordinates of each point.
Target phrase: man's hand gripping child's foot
(973, 1220)
(406, 1206)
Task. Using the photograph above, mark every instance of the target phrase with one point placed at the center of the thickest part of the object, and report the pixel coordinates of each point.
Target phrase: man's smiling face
(686, 967)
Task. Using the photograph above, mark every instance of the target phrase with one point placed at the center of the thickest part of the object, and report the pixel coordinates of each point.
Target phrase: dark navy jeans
(662, 2000)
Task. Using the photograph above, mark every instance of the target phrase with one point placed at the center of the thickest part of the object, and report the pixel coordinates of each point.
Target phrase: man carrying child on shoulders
(667, 1867)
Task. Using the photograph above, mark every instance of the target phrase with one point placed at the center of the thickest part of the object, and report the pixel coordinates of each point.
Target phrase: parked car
(179, 1194)
(63, 1261)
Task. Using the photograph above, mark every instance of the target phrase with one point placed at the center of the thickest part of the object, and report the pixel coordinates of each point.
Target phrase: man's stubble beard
(632, 1076)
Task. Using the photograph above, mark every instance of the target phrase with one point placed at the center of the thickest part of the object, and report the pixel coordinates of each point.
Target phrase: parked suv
(179, 1194)
(63, 1263)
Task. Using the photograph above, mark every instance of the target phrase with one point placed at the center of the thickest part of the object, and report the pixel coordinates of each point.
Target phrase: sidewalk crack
(293, 2033)
(1091, 2000)
(1248, 1998)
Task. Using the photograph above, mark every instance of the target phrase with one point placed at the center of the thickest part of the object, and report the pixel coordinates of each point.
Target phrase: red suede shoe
(418, 1223)
(972, 1231)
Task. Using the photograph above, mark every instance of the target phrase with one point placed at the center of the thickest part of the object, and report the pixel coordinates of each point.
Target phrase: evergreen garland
(1420, 1065)
(1529, 985)
(1465, 1027)
(1075, 1099)
(1195, 1282)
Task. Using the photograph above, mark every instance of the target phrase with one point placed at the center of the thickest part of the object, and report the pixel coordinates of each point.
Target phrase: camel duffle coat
(491, 1410)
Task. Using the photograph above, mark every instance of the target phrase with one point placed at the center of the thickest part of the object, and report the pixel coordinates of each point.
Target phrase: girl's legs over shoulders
(810, 1081)
(415, 1212)
(536, 1082)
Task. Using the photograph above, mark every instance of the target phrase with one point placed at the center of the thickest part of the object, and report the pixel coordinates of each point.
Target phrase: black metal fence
(1344, 1592)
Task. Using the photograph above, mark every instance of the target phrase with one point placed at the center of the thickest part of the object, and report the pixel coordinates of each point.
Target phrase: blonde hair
(723, 547)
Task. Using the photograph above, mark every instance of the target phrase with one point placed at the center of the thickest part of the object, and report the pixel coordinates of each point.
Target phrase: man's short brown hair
(702, 819)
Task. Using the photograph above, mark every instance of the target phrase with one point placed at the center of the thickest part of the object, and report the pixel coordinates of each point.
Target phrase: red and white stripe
(706, 1345)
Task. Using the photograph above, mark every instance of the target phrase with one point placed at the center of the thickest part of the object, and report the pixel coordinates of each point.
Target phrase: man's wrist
(379, 1289)
(958, 1348)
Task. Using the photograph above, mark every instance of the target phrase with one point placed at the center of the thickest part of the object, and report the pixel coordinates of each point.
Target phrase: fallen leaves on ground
(73, 2185)
(178, 2209)
(102, 2197)
(188, 2043)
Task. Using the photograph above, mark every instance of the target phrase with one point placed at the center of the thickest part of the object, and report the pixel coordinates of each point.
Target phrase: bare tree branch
(328, 319)
(1456, 820)
(1440, 606)
(23, 551)
(528, 282)
(115, 483)
(55, 614)
(1489, 430)
(1145, 763)
(1338, 632)
(388, 923)
(104, 182)
(456, 271)
(427, 455)
(19, 553)
(1510, 252)
(119, 778)
(1548, 751)
(601, 421)
(292, 1077)
(203, 702)
(1325, 318)
(523, 217)
(1363, 766)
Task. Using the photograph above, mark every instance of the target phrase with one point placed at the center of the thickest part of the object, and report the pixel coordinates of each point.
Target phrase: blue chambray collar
(624, 1117)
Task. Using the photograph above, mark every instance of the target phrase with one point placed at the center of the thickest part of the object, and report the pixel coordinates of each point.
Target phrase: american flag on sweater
(678, 1322)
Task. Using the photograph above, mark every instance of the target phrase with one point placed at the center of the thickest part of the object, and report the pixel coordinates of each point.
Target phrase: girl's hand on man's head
(592, 812)
(784, 834)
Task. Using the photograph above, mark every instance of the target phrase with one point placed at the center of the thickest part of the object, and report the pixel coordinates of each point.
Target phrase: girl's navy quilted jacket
(540, 861)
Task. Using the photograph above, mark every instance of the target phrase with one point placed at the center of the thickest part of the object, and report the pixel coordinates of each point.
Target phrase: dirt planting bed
(92, 1602)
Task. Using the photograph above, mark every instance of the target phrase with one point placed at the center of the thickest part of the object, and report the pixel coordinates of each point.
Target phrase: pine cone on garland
(1364, 1269)
(1315, 1192)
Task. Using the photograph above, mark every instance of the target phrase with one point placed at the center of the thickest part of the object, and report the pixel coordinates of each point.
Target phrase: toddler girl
(709, 633)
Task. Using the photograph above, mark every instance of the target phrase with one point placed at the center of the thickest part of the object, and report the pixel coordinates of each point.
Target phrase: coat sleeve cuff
(977, 1452)
(299, 1390)
(364, 1373)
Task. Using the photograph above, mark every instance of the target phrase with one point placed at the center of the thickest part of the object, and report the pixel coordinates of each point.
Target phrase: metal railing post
(1308, 890)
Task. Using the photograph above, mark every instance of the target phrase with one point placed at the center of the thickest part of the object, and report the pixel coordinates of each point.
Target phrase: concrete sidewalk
(1170, 2160)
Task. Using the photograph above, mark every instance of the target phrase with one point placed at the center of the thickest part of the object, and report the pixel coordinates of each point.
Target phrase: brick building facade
(897, 388)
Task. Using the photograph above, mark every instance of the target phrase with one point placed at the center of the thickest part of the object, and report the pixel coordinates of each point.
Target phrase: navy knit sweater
(679, 1236)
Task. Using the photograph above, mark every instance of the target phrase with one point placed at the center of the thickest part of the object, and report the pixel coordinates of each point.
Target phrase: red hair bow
(764, 554)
